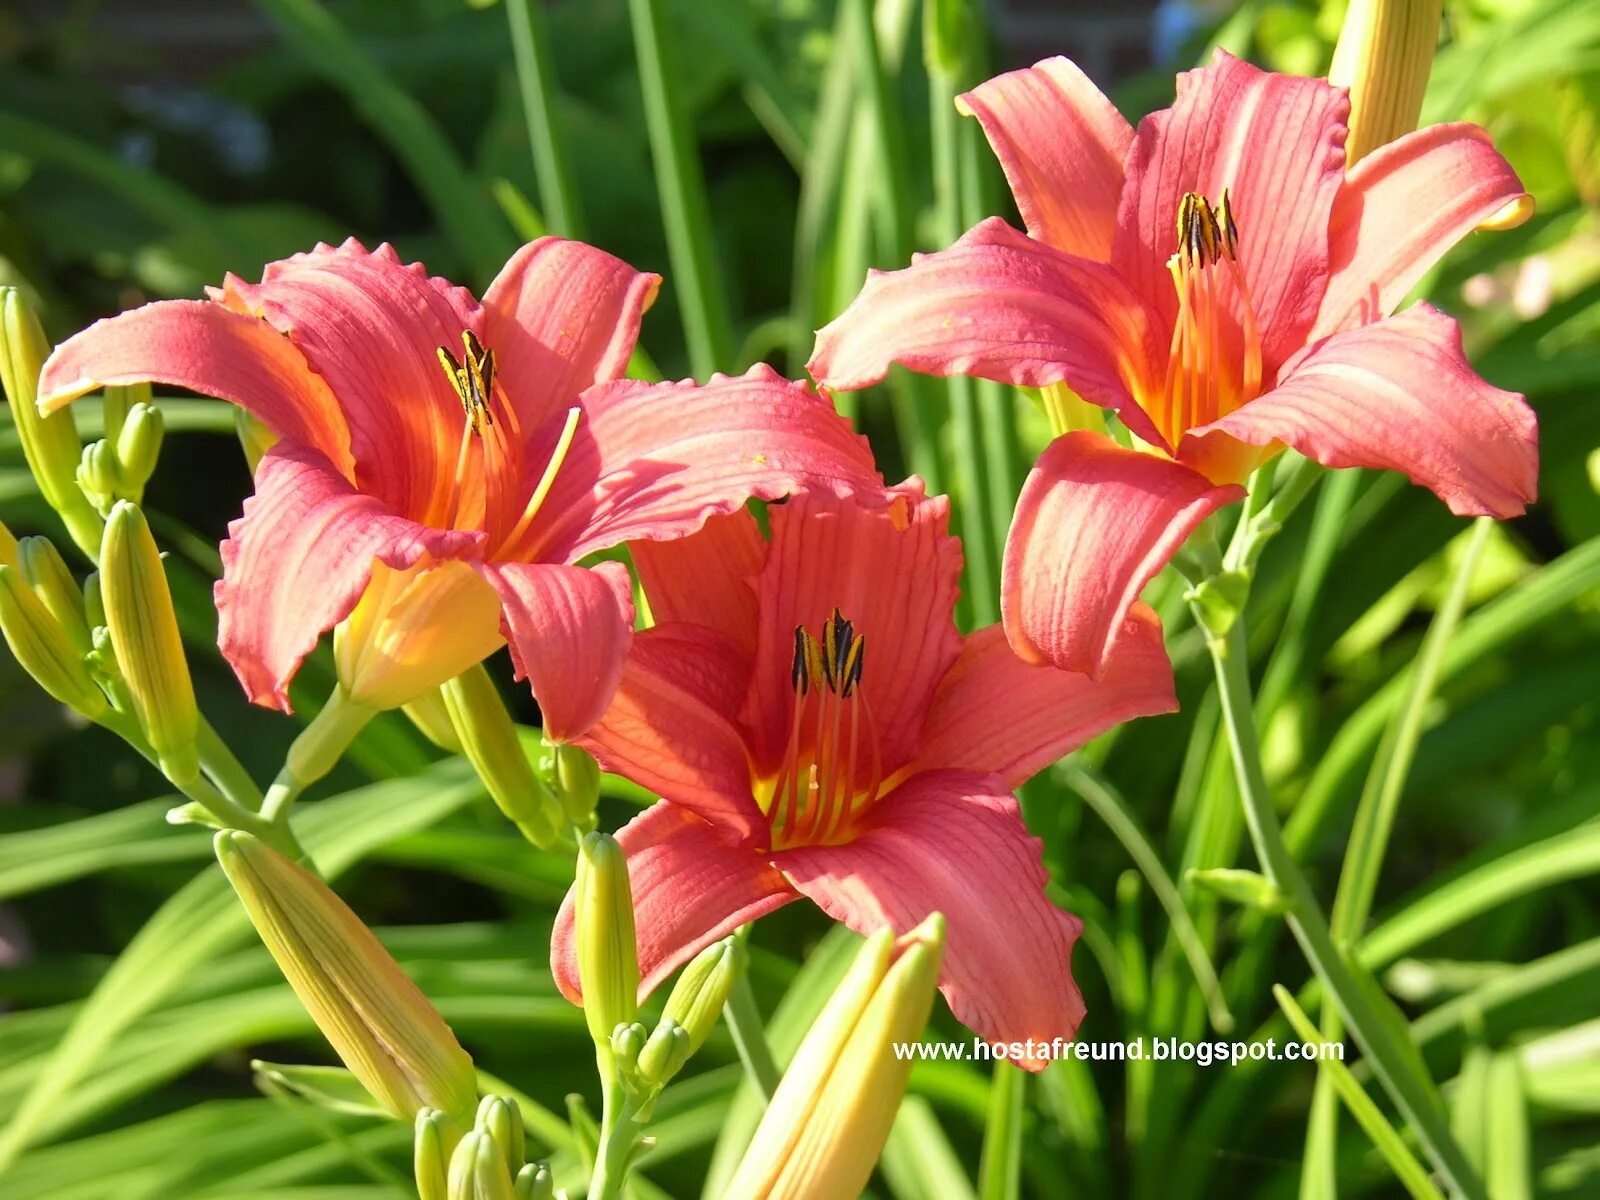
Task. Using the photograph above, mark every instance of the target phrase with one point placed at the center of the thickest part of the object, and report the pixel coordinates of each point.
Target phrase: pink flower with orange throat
(443, 464)
(816, 727)
(1219, 281)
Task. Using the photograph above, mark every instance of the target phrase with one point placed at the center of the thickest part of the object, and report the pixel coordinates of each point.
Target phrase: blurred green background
(147, 149)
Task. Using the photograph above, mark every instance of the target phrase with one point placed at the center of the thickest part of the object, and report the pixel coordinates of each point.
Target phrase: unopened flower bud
(627, 1042)
(98, 476)
(94, 604)
(428, 713)
(43, 648)
(50, 444)
(1384, 55)
(117, 401)
(149, 649)
(576, 777)
(478, 1170)
(377, 1020)
(501, 1119)
(42, 566)
(608, 952)
(535, 1182)
(8, 547)
(138, 447)
(826, 1125)
(695, 1003)
(433, 1140)
(489, 740)
(666, 1053)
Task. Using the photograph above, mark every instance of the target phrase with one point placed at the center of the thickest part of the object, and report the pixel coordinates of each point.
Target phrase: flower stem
(618, 1133)
(536, 80)
(1410, 1090)
(744, 1023)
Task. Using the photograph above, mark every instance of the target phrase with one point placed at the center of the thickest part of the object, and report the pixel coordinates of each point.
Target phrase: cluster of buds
(118, 466)
(488, 1162)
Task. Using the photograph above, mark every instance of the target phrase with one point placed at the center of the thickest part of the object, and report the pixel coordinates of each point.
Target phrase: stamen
(547, 480)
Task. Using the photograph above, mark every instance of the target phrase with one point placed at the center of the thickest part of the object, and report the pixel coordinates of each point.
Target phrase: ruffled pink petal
(569, 629)
(1093, 525)
(996, 713)
(954, 842)
(371, 327)
(1276, 142)
(691, 885)
(1403, 207)
(1400, 395)
(206, 348)
(672, 725)
(654, 461)
(705, 578)
(1000, 305)
(889, 565)
(562, 316)
(298, 560)
(1061, 144)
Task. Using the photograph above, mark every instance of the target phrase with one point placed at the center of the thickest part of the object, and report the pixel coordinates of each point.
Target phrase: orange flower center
(831, 771)
(1214, 361)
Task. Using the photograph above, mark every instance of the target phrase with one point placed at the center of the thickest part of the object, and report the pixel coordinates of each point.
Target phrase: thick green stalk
(682, 192)
(1412, 1094)
(536, 80)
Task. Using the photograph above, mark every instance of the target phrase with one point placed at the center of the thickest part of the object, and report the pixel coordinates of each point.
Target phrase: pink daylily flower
(1219, 281)
(817, 727)
(423, 433)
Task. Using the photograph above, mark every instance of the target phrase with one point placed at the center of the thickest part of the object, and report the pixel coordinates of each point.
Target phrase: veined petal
(206, 348)
(298, 560)
(691, 885)
(654, 461)
(1061, 144)
(371, 327)
(562, 316)
(1403, 206)
(954, 842)
(569, 630)
(1276, 142)
(1093, 525)
(705, 578)
(1400, 395)
(996, 713)
(1000, 305)
(890, 566)
(671, 727)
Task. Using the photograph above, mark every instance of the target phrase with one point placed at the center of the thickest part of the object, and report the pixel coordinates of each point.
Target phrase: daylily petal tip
(1511, 214)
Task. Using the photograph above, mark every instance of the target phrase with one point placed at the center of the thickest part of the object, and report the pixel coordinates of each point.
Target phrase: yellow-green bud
(8, 547)
(827, 1122)
(254, 437)
(94, 604)
(608, 952)
(478, 1170)
(666, 1053)
(576, 779)
(1384, 55)
(138, 446)
(489, 740)
(43, 648)
(535, 1182)
(149, 649)
(627, 1042)
(428, 713)
(97, 475)
(702, 989)
(433, 1140)
(42, 566)
(50, 444)
(501, 1119)
(115, 405)
(1241, 886)
(377, 1020)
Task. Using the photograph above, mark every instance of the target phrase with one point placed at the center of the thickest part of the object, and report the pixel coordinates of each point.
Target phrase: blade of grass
(1000, 1167)
(682, 192)
(536, 81)
(463, 206)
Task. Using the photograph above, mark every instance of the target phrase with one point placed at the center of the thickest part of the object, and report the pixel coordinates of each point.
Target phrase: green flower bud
(577, 784)
(489, 740)
(535, 1182)
(501, 1119)
(50, 444)
(1384, 55)
(138, 447)
(254, 437)
(115, 405)
(8, 547)
(94, 604)
(144, 633)
(377, 1020)
(627, 1042)
(702, 989)
(99, 475)
(478, 1170)
(43, 648)
(608, 952)
(42, 566)
(1241, 886)
(432, 1142)
(665, 1054)
(947, 32)
(428, 713)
